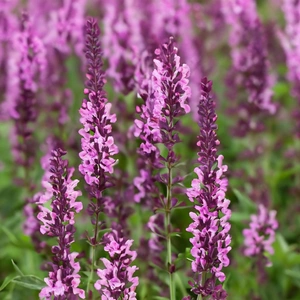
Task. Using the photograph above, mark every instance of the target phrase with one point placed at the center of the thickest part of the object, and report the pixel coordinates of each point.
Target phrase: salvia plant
(150, 151)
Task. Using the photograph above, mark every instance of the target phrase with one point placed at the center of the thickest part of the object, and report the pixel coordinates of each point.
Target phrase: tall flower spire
(59, 222)
(122, 42)
(166, 100)
(291, 45)
(98, 148)
(26, 61)
(210, 227)
(249, 52)
(98, 145)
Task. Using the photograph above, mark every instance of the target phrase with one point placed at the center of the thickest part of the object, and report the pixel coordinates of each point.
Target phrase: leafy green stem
(168, 229)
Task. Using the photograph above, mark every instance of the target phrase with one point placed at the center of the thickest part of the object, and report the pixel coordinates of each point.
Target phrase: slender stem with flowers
(166, 100)
(97, 143)
(98, 148)
(64, 279)
(210, 227)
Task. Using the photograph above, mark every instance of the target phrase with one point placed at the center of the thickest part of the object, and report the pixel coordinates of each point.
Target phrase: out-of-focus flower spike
(8, 26)
(291, 45)
(261, 234)
(249, 52)
(26, 61)
(122, 42)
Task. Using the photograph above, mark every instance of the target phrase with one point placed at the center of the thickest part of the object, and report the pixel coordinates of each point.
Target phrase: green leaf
(285, 174)
(7, 281)
(282, 242)
(29, 281)
(226, 281)
(9, 234)
(182, 207)
(179, 283)
(160, 298)
(17, 268)
(239, 217)
(244, 200)
(86, 273)
(178, 234)
(293, 273)
(294, 258)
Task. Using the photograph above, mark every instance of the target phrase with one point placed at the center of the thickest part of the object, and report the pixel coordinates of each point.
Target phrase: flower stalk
(165, 101)
(63, 280)
(98, 148)
(210, 226)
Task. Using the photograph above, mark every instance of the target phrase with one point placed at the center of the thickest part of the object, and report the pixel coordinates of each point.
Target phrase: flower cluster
(64, 279)
(168, 93)
(25, 62)
(166, 99)
(249, 53)
(291, 45)
(261, 234)
(8, 25)
(117, 280)
(122, 42)
(290, 40)
(98, 145)
(146, 70)
(61, 24)
(210, 227)
(32, 225)
(97, 165)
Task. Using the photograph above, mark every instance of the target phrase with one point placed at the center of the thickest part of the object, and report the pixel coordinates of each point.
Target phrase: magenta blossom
(117, 280)
(261, 234)
(58, 222)
(210, 226)
(249, 52)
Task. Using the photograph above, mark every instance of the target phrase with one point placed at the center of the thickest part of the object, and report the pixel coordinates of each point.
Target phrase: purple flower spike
(249, 52)
(8, 26)
(210, 226)
(97, 143)
(25, 64)
(122, 42)
(261, 234)
(97, 165)
(291, 45)
(117, 280)
(166, 100)
(32, 225)
(63, 281)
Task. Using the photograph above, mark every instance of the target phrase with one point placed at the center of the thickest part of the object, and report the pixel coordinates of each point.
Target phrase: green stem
(93, 255)
(92, 270)
(168, 225)
(169, 251)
